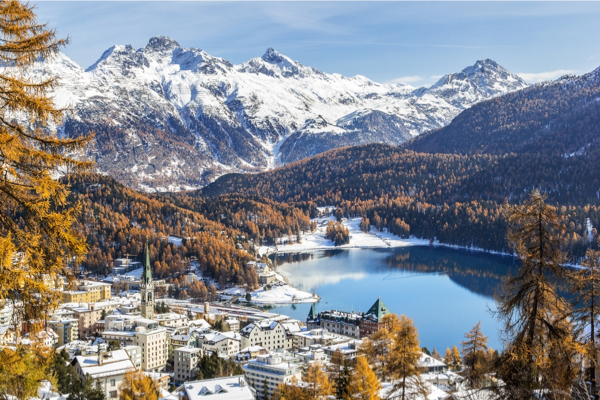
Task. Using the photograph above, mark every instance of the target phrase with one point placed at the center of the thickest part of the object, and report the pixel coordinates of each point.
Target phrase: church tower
(147, 288)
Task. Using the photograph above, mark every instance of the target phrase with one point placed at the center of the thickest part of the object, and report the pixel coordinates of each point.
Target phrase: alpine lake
(445, 291)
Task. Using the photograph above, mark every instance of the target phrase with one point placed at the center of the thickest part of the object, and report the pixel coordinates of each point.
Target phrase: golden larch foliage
(364, 384)
(138, 386)
(37, 242)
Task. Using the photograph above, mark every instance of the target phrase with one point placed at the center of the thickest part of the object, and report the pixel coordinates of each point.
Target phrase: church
(147, 288)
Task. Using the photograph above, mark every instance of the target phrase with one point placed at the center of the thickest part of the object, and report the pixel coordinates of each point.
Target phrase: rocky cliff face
(168, 118)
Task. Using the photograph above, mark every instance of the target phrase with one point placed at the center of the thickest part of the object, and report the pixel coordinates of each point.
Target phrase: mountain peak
(162, 43)
(272, 56)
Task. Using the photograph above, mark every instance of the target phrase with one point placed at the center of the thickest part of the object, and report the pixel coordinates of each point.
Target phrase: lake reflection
(444, 291)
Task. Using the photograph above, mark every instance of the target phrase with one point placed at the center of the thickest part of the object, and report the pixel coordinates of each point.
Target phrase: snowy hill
(168, 117)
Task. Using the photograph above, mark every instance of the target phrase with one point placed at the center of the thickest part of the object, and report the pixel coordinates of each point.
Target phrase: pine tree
(138, 386)
(364, 384)
(534, 315)
(36, 235)
(474, 351)
(339, 374)
(404, 360)
(586, 289)
(87, 390)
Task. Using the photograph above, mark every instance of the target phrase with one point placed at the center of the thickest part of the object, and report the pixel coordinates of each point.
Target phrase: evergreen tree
(474, 351)
(88, 390)
(364, 384)
(436, 355)
(339, 373)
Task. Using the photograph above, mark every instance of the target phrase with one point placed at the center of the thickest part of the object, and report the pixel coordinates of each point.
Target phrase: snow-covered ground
(358, 239)
(280, 293)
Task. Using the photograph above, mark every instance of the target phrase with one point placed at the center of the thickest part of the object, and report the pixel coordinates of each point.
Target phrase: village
(108, 332)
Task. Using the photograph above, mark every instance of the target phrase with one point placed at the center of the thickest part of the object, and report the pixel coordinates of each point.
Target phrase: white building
(185, 362)
(226, 344)
(145, 333)
(172, 320)
(108, 369)
(267, 372)
(271, 335)
(317, 336)
(229, 388)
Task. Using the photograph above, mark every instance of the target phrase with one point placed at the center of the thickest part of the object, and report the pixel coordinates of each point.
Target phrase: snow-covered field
(280, 293)
(358, 239)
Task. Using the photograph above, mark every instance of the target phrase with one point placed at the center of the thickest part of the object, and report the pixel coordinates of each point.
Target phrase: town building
(87, 318)
(124, 265)
(228, 388)
(107, 369)
(358, 325)
(185, 362)
(172, 320)
(147, 288)
(265, 373)
(7, 335)
(87, 292)
(269, 334)
(224, 344)
(316, 336)
(231, 325)
(142, 332)
(66, 329)
(250, 353)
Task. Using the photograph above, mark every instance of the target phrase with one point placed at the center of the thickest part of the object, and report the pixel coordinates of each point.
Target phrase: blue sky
(412, 42)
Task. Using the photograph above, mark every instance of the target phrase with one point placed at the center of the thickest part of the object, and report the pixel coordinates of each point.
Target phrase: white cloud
(436, 76)
(545, 76)
(407, 79)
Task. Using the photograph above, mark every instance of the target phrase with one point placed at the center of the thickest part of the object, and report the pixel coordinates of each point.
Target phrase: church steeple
(147, 276)
(147, 288)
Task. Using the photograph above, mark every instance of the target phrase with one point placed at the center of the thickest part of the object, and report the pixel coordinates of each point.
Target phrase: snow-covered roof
(228, 388)
(427, 361)
(114, 363)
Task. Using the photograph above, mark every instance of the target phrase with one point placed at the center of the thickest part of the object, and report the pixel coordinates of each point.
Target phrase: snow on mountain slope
(167, 117)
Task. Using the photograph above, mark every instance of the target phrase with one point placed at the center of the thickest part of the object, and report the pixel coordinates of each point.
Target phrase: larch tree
(404, 360)
(37, 241)
(474, 350)
(456, 357)
(318, 384)
(339, 373)
(22, 372)
(586, 289)
(138, 386)
(534, 315)
(364, 384)
(448, 358)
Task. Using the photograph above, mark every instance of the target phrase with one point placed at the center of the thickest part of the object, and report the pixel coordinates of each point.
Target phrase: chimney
(206, 307)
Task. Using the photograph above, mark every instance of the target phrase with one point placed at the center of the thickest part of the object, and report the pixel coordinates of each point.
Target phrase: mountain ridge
(170, 118)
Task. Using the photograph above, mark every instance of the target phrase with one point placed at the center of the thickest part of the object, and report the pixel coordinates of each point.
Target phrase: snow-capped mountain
(167, 117)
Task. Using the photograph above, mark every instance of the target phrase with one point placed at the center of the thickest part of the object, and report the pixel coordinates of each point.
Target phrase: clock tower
(147, 288)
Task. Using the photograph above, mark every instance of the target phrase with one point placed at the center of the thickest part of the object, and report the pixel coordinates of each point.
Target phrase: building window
(112, 382)
(113, 394)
